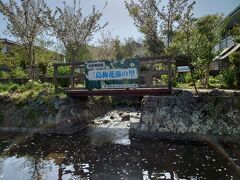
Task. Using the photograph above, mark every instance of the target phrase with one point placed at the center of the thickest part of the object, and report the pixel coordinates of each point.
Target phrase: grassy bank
(36, 104)
(20, 94)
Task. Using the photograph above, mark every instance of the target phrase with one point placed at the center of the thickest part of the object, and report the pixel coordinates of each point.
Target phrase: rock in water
(125, 117)
(106, 121)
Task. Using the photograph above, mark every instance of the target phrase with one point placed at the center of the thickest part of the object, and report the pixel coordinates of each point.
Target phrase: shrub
(18, 73)
(29, 85)
(5, 87)
(4, 75)
(228, 77)
(188, 78)
(213, 80)
(14, 87)
(216, 81)
(164, 79)
(184, 78)
(50, 71)
(64, 71)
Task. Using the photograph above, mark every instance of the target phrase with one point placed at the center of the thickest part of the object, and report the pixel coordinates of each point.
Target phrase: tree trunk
(75, 54)
(192, 76)
(31, 63)
(207, 76)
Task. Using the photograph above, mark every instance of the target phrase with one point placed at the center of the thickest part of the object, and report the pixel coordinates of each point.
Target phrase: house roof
(234, 11)
(227, 52)
(233, 18)
(182, 69)
(5, 40)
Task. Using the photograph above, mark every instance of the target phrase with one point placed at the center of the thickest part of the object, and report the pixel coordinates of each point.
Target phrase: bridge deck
(118, 92)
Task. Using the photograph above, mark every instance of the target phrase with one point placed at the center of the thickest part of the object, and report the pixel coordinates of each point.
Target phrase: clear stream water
(106, 153)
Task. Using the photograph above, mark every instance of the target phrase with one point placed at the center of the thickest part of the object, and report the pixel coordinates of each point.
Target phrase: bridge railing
(152, 71)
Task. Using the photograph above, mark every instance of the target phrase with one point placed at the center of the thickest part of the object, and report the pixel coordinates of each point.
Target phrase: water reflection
(75, 157)
(102, 135)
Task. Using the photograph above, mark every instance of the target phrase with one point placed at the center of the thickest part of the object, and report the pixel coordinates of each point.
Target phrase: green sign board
(112, 74)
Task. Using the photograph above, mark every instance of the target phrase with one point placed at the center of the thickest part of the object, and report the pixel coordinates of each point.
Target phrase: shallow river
(75, 157)
(105, 152)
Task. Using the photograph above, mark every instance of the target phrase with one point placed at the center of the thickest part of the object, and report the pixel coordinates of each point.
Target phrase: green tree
(184, 40)
(131, 49)
(83, 53)
(235, 57)
(236, 33)
(156, 23)
(144, 14)
(209, 29)
(196, 40)
(26, 21)
(15, 58)
(117, 49)
(15, 62)
(235, 60)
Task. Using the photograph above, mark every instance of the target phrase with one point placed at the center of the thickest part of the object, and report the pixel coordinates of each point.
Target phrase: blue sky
(120, 24)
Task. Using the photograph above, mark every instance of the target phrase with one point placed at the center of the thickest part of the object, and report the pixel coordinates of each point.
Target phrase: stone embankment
(184, 116)
(214, 115)
(54, 115)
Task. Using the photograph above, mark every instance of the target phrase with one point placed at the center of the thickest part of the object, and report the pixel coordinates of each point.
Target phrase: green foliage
(14, 87)
(5, 87)
(145, 16)
(19, 56)
(216, 81)
(196, 40)
(64, 71)
(18, 73)
(184, 78)
(236, 33)
(28, 29)
(228, 77)
(235, 60)
(15, 60)
(50, 71)
(31, 85)
(82, 54)
(129, 49)
(188, 78)
(8, 60)
(117, 49)
(22, 93)
(4, 75)
(164, 79)
(45, 57)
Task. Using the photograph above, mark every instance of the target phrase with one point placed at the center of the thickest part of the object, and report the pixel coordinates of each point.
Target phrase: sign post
(112, 74)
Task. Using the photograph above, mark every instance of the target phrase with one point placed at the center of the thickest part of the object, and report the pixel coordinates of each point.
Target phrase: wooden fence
(150, 68)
